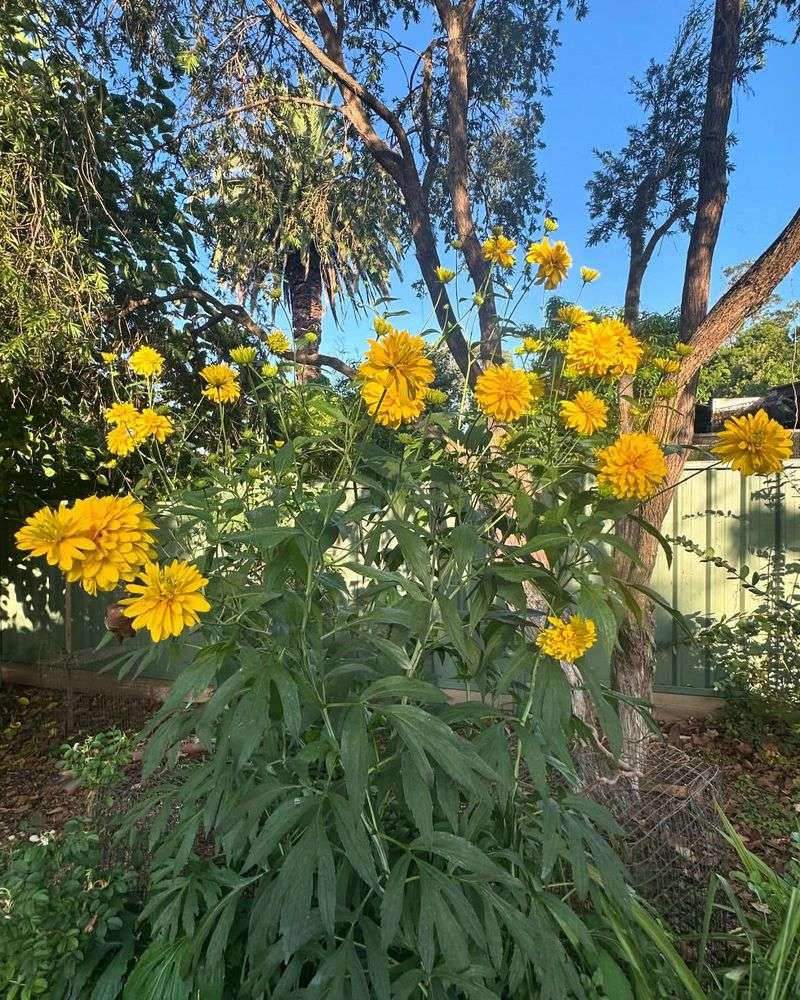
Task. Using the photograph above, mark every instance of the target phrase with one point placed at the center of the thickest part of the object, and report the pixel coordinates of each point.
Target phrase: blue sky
(590, 107)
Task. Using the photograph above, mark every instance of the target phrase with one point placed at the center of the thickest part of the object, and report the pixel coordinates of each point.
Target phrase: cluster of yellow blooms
(97, 542)
(567, 640)
(101, 542)
(222, 383)
(601, 349)
(395, 376)
(130, 427)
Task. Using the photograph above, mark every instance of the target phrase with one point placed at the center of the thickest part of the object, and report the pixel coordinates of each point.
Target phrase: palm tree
(295, 209)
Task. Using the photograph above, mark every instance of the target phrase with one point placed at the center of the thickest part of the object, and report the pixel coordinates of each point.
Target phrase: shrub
(66, 923)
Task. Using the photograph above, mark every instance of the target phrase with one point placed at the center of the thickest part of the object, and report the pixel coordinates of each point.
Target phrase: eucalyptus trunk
(304, 283)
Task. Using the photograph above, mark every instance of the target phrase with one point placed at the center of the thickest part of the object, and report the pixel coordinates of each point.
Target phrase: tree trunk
(304, 283)
(633, 664)
(632, 669)
(712, 185)
(456, 22)
(633, 294)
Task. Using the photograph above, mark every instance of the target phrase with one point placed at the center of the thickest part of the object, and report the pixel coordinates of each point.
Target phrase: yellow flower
(275, 294)
(553, 262)
(537, 385)
(589, 274)
(667, 365)
(504, 393)
(243, 355)
(109, 357)
(146, 362)
(435, 397)
(573, 315)
(61, 536)
(121, 413)
(586, 414)
(123, 438)
(222, 386)
(278, 342)
(754, 444)
(550, 224)
(382, 326)
(633, 467)
(444, 274)
(121, 534)
(388, 404)
(604, 348)
(498, 250)
(531, 345)
(153, 424)
(398, 361)
(568, 640)
(684, 350)
(478, 299)
(168, 599)
(592, 349)
(310, 337)
(630, 349)
(268, 370)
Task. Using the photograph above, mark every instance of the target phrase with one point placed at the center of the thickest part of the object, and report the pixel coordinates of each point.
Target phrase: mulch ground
(760, 762)
(35, 793)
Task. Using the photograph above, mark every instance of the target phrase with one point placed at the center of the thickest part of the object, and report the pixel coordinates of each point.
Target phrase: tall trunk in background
(633, 665)
(457, 21)
(304, 284)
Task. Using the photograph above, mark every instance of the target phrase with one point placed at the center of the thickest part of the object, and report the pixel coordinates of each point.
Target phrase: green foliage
(765, 908)
(89, 215)
(288, 184)
(98, 761)
(66, 927)
(651, 181)
(761, 356)
(351, 832)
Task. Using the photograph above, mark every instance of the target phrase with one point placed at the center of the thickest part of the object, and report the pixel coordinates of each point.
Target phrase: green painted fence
(753, 523)
(745, 521)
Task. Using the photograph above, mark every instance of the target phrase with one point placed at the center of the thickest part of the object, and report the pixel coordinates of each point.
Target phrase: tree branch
(252, 106)
(239, 315)
(744, 297)
(354, 92)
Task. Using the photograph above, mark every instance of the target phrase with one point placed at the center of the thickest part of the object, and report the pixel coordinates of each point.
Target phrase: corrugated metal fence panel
(743, 521)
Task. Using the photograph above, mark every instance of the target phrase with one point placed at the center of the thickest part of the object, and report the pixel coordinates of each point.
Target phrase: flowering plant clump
(327, 566)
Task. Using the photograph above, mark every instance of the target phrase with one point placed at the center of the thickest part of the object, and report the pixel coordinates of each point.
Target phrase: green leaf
(354, 840)
(395, 687)
(326, 880)
(592, 604)
(414, 549)
(392, 902)
(459, 851)
(285, 818)
(377, 960)
(355, 755)
(417, 796)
